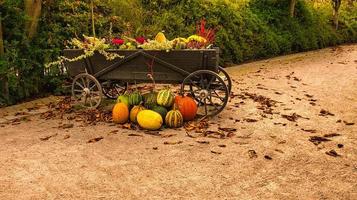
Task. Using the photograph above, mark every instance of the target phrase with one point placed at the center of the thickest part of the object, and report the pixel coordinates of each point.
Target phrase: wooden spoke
(90, 94)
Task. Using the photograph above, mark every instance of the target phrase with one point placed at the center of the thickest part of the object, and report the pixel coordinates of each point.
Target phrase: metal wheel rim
(227, 79)
(217, 90)
(114, 90)
(87, 91)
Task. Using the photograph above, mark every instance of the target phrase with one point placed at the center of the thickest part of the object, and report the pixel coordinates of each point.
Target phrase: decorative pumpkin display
(150, 100)
(160, 37)
(174, 119)
(187, 107)
(123, 99)
(165, 98)
(135, 98)
(161, 110)
(134, 112)
(149, 120)
(120, 113)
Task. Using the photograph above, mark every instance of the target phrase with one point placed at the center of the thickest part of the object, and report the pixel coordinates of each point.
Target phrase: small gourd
(150, 120)
(135, 98)
(123, 99)
(160, 37)
(120, 113)
(165, 98)
(135, 111)
(161, 110)
(150, 100)
(174, 119)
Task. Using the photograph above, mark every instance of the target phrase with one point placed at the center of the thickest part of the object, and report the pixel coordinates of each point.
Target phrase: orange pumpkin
(187, 106)
(120, 113)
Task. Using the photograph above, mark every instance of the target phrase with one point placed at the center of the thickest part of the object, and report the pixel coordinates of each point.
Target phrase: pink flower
(140, 40)
(117, 41)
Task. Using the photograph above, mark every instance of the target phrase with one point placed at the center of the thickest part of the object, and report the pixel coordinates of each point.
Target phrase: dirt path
(269, 157)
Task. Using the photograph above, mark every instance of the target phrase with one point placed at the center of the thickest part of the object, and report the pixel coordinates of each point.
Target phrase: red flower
(140, 40)
(117, 41)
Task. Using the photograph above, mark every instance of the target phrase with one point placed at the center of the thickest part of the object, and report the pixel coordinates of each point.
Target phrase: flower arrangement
(203, 39)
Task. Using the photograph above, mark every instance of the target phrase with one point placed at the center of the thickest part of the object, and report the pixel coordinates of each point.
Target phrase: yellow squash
(149, 120)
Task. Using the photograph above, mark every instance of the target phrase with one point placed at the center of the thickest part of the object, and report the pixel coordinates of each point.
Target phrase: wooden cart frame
(197, 71)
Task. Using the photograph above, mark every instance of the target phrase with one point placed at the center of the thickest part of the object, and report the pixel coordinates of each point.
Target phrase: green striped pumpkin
(150, 100)
(174, 119)
(135, 98)
(161, 110)
(165, 98)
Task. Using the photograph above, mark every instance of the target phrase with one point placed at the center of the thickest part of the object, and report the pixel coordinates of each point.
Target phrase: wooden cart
(197, 71)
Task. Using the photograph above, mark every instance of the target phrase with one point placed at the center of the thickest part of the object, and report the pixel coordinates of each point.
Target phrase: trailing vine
(89, 46)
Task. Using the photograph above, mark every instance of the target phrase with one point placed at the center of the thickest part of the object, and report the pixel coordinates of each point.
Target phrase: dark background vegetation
(34, 32)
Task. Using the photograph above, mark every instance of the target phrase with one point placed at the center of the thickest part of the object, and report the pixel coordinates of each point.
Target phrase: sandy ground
(286, 164)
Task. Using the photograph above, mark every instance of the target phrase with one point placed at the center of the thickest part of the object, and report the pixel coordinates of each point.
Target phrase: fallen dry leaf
(331, 135)
(173, 143)
(309, 130)
(47, 137)
(278, 150)
(216, 152)
(66, 126)
(135, 135)
(333, 153)
(203, 142)
(268, 157)
(250, 120)
(97, 139)
(252, 154)
(317, 139)
(324, 112)
(349, 123)
(168, 135)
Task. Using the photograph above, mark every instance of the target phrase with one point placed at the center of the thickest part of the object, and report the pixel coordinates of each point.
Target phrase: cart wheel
(87, 91)
(208, 89)
(114, 89)
(225, 76)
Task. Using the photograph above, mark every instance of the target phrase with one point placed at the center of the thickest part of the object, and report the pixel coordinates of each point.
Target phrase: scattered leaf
(324, 112)
(332, 153)
(227, 129)
(268, 157)
(66, 137)
(173, 143)
(216, 152)
(97, 139)
(250, 120)
(252, 154)
(349, 123)
(317, 139)
(66, 126)
(331, 135)
(47, 137)
(203, 142)
(293, 117)
(135, 135)
(309, 130)
(168, 135)
(278, 150)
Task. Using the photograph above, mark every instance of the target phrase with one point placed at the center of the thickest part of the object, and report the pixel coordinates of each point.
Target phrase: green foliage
(246, 30)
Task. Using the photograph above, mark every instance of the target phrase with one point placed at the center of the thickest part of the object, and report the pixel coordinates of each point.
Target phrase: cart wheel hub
(86, 91)
(203, 94)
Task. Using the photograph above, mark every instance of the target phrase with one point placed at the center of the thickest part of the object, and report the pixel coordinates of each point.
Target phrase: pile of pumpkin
(154, 109)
